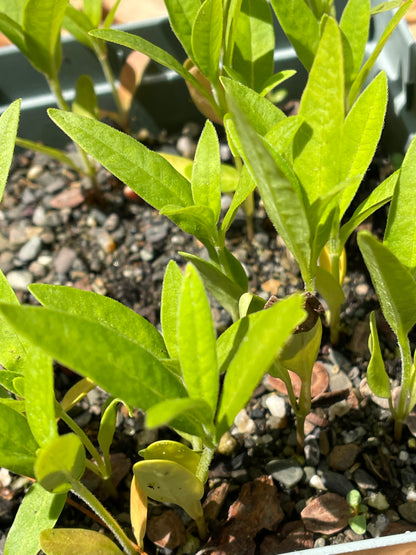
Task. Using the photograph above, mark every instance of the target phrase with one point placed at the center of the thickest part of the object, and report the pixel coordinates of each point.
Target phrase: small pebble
(31, 249)
(285, 471)
(227, 444)
(244, 424)
(343, 457)
(378, 501)
(408, 511)
(19, 280)
(276, 405)
(317, 483)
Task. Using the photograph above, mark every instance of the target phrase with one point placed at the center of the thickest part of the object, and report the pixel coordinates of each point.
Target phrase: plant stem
(407, 384)
(84, 493)
(55, 87)
(101, 52)
(304, 407)
(85, 440)
(205, 461)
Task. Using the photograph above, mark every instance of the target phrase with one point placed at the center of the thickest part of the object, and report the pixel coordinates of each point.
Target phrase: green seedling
(358, 520)
(392, 269)
(173, 376)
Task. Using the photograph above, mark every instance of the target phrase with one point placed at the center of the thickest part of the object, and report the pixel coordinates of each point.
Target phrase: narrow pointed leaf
(138, 511)
(197, 342)
(195, 220)
(279, 195)
(226, 291)
(93, 9)
(207, 38)
(378, 198)
(361, 133)
(78, 24)
(38, 511)
(120, 366)
(276, 80)
(42, 21)
(377, 377)
(181, 17)
(107, 427)
(400, 234)
(386, 6)
(66, 541)
(231, 14)
(85, 102)
(146, 172)
(14, 32)
(48, 150)
(245, 187)
(254, 43)
(8, 129)
(206, 171)
(393, 282)
(365, 70)
(316, 153)
(158, 54)
(108, 312)
(260, 112)
(355, 24)
(169, 310)
(255, 355)
(300, 26)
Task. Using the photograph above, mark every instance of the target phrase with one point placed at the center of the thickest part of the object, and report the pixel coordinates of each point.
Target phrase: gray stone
(31, 249)
(19, 279)
(63, 262)
(285, 471)
(39, 216)
(364, 480)
(336, 482)
(312, 452)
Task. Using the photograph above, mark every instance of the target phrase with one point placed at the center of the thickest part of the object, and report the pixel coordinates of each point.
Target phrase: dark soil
(53, 231)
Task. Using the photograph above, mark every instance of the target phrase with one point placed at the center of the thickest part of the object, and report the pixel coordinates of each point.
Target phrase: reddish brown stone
(326, 514)
(166, 530)
(343, 457)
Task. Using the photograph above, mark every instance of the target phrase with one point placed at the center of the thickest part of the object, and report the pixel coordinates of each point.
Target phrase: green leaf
(353, 498)
(362, 131)
(317, 146)
(226, 291)
(358, 524)
(169, 310)
(254, 43)
(170, 482)
(17, 444)
(49, 151)
(38, 511)
(66, 541)
(386, 6)
(206, 38)
(85, 102)
(172, 451)
(78, 24)
(365, 70)
(107, 427)
(255, 355)
(300, 27)
(108, 21)
(394, 284)
(40, 396)
(197, 410)
(206, 171)
(146, 172)
(60, 463)
(158, 54)
(400, 234)
(104, 310)
(8, 128)
(245, 187)
(42, 21)
(354, 24)
(93, 9)
(260, 112)
(231, 15)
(275, 182)
(181, 17)
(7, 378)
(13, 9)
(276, 79)
(377, 376)
(114, 362)
(195, 220)
(14, 32)
(197, 341)
(378, 198)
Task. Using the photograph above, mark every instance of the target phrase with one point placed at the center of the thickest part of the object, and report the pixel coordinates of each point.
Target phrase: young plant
(175, 378)
(392, 265)
(358, 520)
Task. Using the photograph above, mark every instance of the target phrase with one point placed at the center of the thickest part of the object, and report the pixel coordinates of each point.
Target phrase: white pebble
(245, 425)
(276, 405)
(316, 482)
